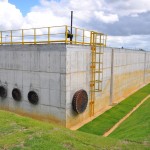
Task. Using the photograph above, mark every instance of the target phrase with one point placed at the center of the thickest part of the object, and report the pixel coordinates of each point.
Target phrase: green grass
(22, 133)
(136, 127)
(107, 120)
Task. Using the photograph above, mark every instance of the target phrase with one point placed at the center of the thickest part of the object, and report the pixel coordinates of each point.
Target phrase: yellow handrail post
(100, 39)
(11, 37)
(66, 32)
(48, 35)
(1, 37)
(105, 39)
(91, 37)
(75, 35)
(34, 35)
(22, 36)
(83, 36)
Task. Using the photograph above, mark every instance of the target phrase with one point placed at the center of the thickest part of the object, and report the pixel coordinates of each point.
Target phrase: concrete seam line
(125, 117)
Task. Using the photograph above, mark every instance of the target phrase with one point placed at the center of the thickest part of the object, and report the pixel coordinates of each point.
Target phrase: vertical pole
(11, 36)
(83, 36)
(91, 37)
(1, 37)
(75, 35)
(101, 39)
(105, 40)
(112, 77)
(22, 36)
(34, 36)
(144, 79)
(48, 35)
(66, 28)
(71, 25)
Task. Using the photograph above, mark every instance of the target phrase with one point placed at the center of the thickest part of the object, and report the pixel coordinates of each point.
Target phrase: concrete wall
(35, 67)
(77, 77)
(57, 71)
(131, 70)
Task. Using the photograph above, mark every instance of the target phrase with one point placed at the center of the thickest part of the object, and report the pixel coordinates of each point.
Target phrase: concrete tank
(56, 71)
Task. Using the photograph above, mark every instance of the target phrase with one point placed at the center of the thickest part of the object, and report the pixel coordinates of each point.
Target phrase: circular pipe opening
(33, 97)
(80, 101)
(16, 94)
(3, 92)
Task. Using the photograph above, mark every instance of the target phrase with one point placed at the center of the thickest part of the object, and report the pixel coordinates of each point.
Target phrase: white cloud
(110, 18)
(127, 7)
(10, 16)
(52, 12)
(113, 17)
(6, 1)
(132, 42)
(43, 19)
(84, 11)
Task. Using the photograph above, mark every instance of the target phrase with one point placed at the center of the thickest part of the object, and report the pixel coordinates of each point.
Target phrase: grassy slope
(107, 120)
(18, 133)
(137, 126)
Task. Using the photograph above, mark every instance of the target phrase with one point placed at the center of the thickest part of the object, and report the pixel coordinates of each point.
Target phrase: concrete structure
(57, 71)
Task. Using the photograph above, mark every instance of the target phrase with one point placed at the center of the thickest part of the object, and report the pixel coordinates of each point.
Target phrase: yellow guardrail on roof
(47, 35)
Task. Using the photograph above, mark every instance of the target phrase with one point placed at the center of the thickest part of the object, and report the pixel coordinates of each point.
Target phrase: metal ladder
(98, 42)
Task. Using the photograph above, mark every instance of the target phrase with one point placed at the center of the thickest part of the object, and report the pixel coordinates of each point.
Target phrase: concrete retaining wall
(57, 71)
(35, 67)
(131, 70)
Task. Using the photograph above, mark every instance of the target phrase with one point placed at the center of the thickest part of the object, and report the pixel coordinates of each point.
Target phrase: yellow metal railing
(47, 35)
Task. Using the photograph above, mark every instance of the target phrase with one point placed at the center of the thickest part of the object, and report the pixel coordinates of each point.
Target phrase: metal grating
(80, 100)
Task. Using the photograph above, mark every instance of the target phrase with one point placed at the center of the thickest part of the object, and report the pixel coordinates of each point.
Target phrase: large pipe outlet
(33, 97)
(16, 94)
(80, 101)
(3, 92)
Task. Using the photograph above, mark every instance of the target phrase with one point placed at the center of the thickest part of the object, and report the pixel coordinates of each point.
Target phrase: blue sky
(125, 21)
(24, 5)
